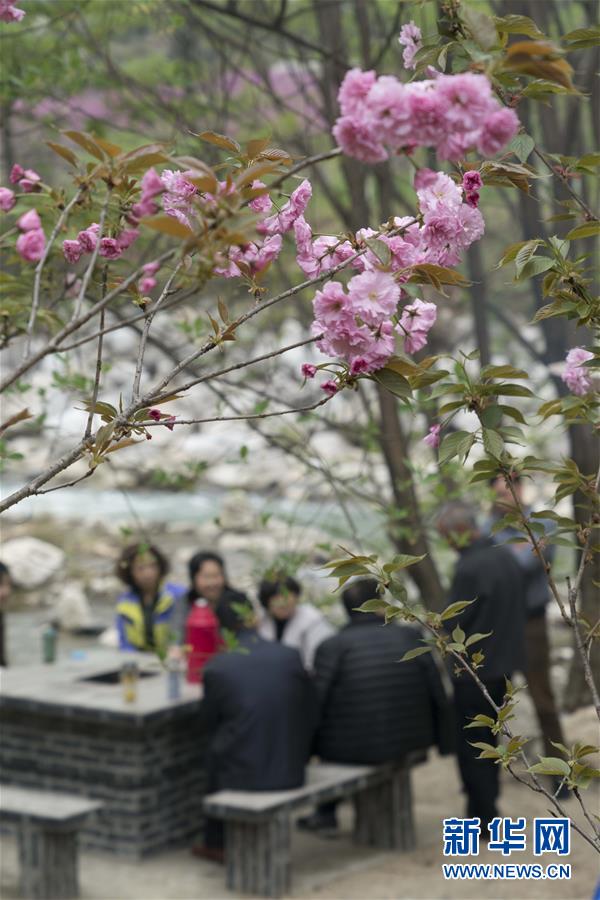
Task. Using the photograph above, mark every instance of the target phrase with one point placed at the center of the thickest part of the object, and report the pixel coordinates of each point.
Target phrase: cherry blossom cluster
(576, 375)
(31, 243)
(256, 255)
(452, 113)
(27, 179)
(9, 12)
(360, 325)
(87, 240)
(410, 39)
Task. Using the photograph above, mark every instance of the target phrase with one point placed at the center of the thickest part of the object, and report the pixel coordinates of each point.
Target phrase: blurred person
(208, 580)
(489, 575)
(537, 597)
(147, 613)
(5, 591)
(259, 711)
(373, 708)
(285, 619)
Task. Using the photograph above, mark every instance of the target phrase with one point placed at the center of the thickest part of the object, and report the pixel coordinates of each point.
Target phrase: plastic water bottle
(49, 635)
(174, 661)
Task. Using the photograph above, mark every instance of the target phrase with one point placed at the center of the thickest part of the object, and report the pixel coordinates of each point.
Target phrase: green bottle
(49, 636)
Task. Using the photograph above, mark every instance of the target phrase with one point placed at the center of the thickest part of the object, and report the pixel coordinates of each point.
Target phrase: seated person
(295, 624)
(209, 581)
(259, 710)
(373, 708)
(146, 613)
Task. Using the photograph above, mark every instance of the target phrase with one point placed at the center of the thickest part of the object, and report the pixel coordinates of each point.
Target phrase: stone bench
(47, 825)
(257, 824)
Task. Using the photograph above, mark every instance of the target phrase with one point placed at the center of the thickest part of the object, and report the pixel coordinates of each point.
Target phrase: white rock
(32, 562)
(71, 606)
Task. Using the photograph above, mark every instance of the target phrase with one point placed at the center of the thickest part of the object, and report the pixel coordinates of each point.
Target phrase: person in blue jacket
(147, 612)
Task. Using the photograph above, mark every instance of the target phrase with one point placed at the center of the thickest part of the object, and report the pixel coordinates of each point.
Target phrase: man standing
(375, 708)
(488, 575)
(537, 596)
(259, 710)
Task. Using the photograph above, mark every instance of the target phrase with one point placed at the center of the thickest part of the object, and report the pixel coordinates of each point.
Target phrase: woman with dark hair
(146, 612)
(295, 624)
(208, 580)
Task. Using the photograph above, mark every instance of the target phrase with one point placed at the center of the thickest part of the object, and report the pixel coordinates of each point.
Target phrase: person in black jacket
(259, 709)
(374, 708)
(489, 575)
(208, 579)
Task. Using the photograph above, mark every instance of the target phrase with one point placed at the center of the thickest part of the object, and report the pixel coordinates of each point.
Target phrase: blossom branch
(147, 325)
(37, 281)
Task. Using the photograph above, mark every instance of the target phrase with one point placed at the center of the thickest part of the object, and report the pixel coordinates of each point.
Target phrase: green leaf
(517, 25)
(454, 444)
(525, 253)
(219, 140)
(481, 721)
(402, 561)
(503, 372)
(551, 765)
(380, 249)
(454, 609)
(458, 635)
(374, 605)
(473, 638)
(589, 229)
(168, 225)
(491, 416)
(416, 651)
(481, 26)
(64, 152)
(493, 443)
(535, 267)
(392, 382)
(522, 145)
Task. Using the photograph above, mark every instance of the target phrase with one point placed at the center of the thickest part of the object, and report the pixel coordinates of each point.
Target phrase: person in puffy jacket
(147, 613)
(285, 619)
(373, 708)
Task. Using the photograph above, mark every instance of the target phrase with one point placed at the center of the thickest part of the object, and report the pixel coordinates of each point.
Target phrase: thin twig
(37, 280)
(90, 267)
(98, 375)
(135, 393)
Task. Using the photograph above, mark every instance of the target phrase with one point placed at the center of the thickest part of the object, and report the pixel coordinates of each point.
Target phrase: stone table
(66, 727)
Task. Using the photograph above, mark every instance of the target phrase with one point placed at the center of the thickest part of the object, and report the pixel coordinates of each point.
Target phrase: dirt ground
(336, 870)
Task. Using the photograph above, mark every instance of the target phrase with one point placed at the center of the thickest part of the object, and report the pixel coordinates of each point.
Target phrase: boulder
(71, 608)
(32, 562)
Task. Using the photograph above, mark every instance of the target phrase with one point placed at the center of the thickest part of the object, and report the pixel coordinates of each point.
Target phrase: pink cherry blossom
(472, 199)
(416, 321)
(109, 248)
(330, 302)
(440, 197)
(89, 238)
(308, 370)
(7, 199)
(576, 376)
(472, 181)
(31, 245)
(147, 284)
(10, 13)
(282, 221)
(177, 201)
(498, 129)
(354, 89)
(170, 422)
(151, 268)
(410, 39)
(127, 237)
(16, 173)
(175, 182)
(357, 138)
(374, 296)
(330, 387)
(155, 414)
(29, 221)
(263, 203)
(72, 251)
(146, 207)
(151, 184)
(432, 438)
